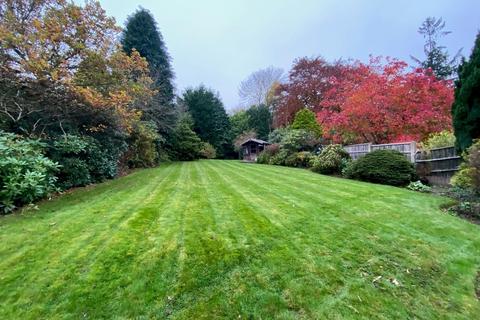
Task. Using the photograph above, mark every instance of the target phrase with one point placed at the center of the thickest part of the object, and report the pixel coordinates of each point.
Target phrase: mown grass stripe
(223, 239)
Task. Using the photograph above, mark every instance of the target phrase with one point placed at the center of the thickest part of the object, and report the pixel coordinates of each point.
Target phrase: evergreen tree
(466, 108)
(185, 142)
(260, 120)
(436, 56)
(305, 119)
(141, 33)
(210, 118)
(239, 123)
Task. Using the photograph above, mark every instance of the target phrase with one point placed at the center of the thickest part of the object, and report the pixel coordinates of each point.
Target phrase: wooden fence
(409, 149)
(439, 165)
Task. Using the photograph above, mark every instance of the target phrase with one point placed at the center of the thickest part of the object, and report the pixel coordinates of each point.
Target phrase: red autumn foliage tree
(380, 101)
(384, 103)
(309, 80)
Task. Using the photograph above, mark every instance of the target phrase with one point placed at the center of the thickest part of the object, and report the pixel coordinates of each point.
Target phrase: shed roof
(256, 141)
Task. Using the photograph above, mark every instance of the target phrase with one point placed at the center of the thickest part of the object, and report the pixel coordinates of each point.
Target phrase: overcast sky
(219, 43)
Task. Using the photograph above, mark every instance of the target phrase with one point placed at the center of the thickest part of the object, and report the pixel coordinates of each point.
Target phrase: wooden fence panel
(359, 150)
(439, 165)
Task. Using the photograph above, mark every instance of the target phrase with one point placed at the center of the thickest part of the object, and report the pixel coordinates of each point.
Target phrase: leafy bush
(383, 166)
(85, 160)
(468, 177)
(438, 140)
(142, 151)
(26, 174)
(70, 152)
(263, 158)
(468, 209)
(208, 151)
(331, 160)
(277, 135)
(266, 155)
(299, 140)
(419, 186)
(299, 159)
(280, 157)
(347, 169)
(103, 157)
(466, 204)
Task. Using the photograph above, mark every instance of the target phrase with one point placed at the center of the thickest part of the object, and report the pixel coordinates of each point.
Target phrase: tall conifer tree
(141, 33)
(466, 108)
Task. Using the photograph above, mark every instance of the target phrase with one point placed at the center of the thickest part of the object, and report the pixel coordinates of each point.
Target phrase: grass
(223, 239)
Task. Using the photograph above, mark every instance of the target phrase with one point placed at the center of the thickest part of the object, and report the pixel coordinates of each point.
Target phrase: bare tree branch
(254, 89)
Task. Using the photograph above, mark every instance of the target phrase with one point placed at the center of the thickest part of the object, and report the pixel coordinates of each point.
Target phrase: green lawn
(224, 239)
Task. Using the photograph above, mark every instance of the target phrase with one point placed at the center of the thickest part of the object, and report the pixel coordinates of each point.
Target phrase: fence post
(413, 151)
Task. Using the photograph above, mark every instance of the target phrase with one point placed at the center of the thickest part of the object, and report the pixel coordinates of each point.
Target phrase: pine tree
(260, 120)
(305, 119)
(141, 33)
(437, 57)
(210, 119)
(185, 142)
(466, 108)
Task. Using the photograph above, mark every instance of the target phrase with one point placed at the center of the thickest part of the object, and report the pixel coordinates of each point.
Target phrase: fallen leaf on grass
(394, 282)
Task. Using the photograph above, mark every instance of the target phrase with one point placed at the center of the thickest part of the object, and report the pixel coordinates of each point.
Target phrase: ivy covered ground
(224, 239)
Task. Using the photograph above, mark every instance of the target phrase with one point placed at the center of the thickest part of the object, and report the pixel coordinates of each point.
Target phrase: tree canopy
(380, 101)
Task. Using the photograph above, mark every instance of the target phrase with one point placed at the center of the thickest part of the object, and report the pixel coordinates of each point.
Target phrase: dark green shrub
(347, 169)
(26, 174)
(74, 172)
(331, 160)
(142, 151)
(106, 156)
(300, 159)
(383, 166)
(70, 152)
(85, 160)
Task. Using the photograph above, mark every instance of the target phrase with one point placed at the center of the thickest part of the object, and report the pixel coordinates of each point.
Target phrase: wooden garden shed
(252, 148)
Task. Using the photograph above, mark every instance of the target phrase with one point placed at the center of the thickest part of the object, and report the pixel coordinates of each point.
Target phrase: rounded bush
(383, 166)
(299, 159)
(332, 159)
(208, 151)
(266, 155)
(280, 157)
(264, 158)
